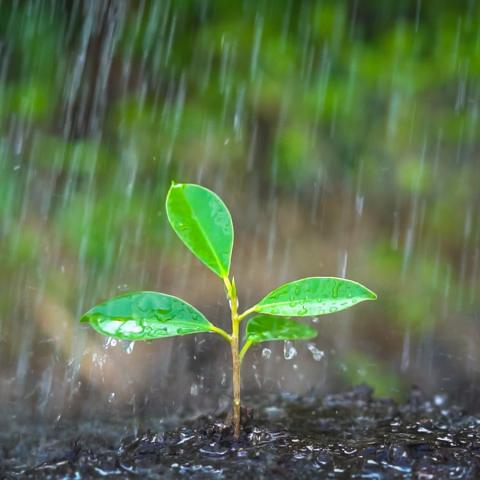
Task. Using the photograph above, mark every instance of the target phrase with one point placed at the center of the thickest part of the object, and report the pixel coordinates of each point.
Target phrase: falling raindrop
(316, 353)
(289, 351)
(342, 263)
(194, 389)
(359, 201)
(110, 342)
(266, 353)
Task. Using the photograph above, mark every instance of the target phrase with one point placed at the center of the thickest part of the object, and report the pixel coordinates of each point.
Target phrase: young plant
(203, 223)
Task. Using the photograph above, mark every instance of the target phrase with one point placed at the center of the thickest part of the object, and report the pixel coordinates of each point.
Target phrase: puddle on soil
(348, 435)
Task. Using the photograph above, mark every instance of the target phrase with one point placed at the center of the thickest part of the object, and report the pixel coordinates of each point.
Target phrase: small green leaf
(264, 328)
(203, 223)
(146, 316)
(314, 296)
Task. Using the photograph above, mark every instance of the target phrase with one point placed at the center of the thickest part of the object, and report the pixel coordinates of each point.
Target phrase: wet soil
(348, 435)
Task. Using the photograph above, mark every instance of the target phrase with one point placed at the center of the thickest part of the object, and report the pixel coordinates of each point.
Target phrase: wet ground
(348, 435)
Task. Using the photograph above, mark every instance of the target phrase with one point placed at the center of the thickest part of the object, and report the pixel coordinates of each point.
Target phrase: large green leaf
(203, 223)
(264, 328)
(146, 316)
(314, 296)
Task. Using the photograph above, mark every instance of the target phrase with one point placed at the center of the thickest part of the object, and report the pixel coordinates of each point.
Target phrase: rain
(344, 138)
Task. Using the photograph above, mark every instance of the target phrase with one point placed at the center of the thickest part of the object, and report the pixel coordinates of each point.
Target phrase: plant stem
(235, 379)
(246, 313)
(234, 343)
(244, 349)
(221, 332)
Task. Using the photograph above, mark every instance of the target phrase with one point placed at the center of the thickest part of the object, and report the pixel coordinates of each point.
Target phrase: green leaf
(146, 316)
(264, 328)
(314, 296)
(203, 223)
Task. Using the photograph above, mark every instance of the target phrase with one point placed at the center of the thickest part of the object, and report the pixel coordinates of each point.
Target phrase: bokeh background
(343, 136)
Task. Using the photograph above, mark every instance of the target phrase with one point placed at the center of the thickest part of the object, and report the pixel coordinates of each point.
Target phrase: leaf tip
(174, 184)
(313, 333)
(372, 295)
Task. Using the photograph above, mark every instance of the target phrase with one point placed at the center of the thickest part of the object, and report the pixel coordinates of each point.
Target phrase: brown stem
(236, 380)
(236, 363)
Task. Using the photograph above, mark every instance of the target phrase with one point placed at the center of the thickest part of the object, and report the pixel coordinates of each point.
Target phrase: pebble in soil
(341, 436)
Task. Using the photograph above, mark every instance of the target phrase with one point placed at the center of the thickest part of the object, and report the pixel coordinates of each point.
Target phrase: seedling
(204, 224)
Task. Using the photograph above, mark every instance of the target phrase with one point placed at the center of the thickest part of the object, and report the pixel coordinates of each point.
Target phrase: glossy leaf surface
(203, 223)
(264, 328)
(314, 296)
(146, 316)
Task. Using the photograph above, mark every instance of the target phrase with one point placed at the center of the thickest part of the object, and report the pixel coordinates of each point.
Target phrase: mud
(341, 436)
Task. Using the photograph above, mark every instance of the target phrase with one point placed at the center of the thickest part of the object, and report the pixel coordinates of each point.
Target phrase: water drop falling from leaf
(316, 353)
(289, 351)
(130, 347)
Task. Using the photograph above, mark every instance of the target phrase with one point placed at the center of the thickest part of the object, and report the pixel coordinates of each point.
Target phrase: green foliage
(27, 101)
(203, 223)
(146, 316)
(81, 157)
(266, 328)
(357, 368)
(314, 296)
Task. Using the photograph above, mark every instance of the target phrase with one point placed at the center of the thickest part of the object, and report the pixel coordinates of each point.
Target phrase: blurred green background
(343, 136)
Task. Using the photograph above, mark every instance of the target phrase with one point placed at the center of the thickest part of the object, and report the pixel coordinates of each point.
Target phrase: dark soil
(349, 435)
